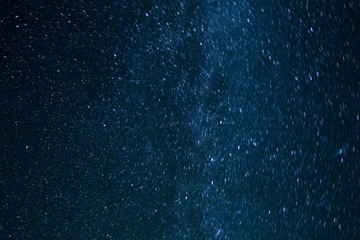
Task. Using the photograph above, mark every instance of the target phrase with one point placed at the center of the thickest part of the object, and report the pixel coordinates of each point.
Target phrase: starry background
(180, 119)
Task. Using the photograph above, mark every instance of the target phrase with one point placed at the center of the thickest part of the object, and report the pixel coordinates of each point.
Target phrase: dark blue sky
(180, 120)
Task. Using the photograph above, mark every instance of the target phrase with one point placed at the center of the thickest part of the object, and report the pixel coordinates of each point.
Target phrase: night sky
(180, 119)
